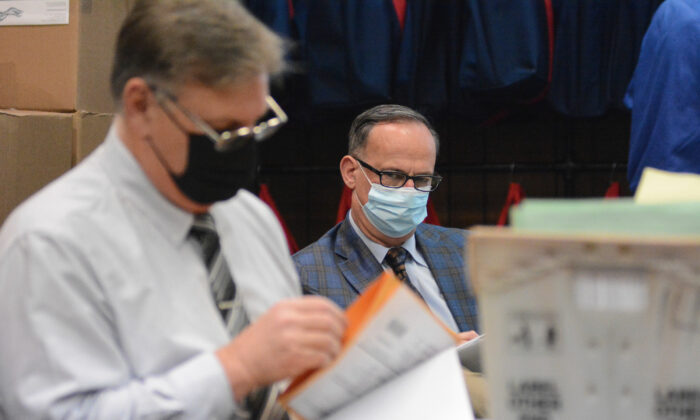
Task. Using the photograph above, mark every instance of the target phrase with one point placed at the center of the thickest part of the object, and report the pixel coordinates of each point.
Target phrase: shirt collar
(379, 251)
(136, 189)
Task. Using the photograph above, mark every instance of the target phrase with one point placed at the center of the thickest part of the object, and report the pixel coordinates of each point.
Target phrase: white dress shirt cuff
(203, 384)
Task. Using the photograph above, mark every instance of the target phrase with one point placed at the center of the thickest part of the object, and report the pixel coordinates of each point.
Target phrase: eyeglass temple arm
(279, 113)
(210, 132)
(194, 118)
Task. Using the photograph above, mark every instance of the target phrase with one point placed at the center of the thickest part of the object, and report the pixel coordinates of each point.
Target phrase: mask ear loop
(354, 190)
(160, 157)
(364, 174)
(149, 139)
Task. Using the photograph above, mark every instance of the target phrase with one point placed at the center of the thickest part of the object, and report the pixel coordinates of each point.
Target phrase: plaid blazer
(340, 266)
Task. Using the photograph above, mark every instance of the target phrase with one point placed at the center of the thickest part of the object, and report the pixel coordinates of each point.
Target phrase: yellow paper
(657, 186)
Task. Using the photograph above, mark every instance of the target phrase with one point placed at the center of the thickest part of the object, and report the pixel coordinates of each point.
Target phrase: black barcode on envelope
(396, 328)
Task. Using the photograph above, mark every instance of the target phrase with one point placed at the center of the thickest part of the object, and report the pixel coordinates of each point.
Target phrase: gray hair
(212, 42)
(363, 124)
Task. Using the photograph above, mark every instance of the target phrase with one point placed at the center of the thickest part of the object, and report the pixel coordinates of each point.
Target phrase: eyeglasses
(226, 139)
(395, 179)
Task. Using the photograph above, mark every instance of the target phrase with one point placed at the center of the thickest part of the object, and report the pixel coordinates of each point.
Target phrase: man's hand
(466, 336)
(294, 336)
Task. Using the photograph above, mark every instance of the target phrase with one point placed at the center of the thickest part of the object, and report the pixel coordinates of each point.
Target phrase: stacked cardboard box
(35, 148)
(55, 103)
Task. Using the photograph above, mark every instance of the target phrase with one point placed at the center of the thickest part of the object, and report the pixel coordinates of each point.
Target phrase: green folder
(614, 216)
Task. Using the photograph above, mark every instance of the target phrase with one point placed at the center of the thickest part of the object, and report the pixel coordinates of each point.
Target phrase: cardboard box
(35, 148)
(62, 67)
(588, 326)
(90, 130)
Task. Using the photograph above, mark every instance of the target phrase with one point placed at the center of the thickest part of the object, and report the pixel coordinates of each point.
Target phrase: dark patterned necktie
(259, 404)
(222, 287)
(396, 259)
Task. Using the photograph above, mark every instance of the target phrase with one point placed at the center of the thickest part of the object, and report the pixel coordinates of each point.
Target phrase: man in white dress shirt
(105, 310)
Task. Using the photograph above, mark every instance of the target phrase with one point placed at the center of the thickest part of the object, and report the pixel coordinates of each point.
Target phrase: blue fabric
(274, 13)
(423, 75)
(469, 57)
(505, 52)
(350, 47)
(596, 45)
(420, 81)
(340, 266)
(631, 24)
(427, 76)
(664, 94)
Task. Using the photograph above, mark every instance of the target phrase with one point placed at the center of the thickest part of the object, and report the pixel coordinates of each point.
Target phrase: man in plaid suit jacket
(339, 265)
(390, 170)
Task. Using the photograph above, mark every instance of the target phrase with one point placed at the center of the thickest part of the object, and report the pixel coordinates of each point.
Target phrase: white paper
(33, 12)
(434, 389)
(398, 337)
(470, 354)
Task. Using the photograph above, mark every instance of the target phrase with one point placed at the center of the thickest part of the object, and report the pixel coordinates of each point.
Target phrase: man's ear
(348, 168)
(136, 100)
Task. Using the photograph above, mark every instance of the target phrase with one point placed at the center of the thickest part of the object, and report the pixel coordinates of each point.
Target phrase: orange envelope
(389, 318)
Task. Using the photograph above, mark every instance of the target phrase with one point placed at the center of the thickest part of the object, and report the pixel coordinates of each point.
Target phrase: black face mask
(212, 175)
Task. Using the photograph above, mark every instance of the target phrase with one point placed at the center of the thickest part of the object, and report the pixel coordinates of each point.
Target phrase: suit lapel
(359, 267)
(447, 267)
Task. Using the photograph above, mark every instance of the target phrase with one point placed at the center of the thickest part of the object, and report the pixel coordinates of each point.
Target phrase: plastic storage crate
(588, 326)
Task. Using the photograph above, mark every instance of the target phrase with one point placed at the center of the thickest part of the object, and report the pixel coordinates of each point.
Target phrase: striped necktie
(259, 404)
(222, 287)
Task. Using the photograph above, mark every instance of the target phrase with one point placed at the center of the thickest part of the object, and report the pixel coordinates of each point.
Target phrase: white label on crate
(534, 399)
(611, 289)
(677, 404)
(33, 12)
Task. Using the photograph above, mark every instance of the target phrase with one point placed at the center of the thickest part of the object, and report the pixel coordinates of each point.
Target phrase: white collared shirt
(418, 273)
(105, 310)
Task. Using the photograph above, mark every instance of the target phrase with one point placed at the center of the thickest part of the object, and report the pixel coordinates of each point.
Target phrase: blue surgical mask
(395, 212)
